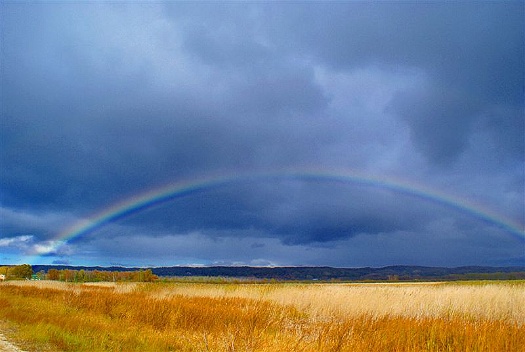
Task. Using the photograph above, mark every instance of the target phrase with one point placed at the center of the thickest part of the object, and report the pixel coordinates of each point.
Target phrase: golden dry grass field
(184, 316)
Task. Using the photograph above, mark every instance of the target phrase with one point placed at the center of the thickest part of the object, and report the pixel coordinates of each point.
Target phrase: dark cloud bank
(101, 101)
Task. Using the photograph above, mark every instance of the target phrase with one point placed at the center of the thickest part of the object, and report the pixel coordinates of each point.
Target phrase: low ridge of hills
(303, 273)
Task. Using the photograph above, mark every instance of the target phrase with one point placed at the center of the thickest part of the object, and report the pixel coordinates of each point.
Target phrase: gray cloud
(100, 102)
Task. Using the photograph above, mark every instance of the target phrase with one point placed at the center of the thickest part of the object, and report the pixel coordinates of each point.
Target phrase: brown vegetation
(23, 271)
(70, 275)
(266, 317)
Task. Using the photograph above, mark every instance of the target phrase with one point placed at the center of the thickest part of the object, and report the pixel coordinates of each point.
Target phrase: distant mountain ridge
(324, 273)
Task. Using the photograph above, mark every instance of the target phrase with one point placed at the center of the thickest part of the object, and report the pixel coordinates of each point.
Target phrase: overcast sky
(104, 101)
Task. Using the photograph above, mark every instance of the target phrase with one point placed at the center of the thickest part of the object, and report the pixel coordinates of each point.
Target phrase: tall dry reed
(285, 317)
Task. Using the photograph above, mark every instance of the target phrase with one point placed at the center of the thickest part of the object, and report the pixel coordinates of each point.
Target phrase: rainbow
(157, 196)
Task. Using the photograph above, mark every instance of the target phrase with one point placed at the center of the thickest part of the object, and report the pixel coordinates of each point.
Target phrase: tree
(4, 270)
(23, 271)
(53, 274)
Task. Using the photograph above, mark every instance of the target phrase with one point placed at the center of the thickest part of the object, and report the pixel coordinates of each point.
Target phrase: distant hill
(392, 273)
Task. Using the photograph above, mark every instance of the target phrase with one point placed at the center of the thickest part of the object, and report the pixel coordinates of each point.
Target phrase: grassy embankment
(266, 317)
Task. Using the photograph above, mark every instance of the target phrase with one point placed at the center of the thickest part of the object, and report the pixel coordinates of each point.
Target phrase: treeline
(486, 276)
(25, 272)
(82, 275)
(16, 272)
(389, 273)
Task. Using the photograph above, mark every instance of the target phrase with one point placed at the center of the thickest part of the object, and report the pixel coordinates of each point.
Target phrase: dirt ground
(6, 346)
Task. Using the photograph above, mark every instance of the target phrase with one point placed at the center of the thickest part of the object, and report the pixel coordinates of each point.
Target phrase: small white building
(2, 277)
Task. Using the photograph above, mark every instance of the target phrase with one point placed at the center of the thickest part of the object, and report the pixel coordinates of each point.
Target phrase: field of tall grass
(56, 316)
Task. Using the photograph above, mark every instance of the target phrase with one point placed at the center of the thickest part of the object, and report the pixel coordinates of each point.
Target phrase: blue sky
(103, 102)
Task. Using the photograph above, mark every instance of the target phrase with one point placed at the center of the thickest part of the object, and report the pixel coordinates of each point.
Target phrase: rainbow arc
(166, 193)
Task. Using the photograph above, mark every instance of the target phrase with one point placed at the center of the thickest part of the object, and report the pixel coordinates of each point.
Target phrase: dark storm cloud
(92, 118)
(103, 101)
(473, 57)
